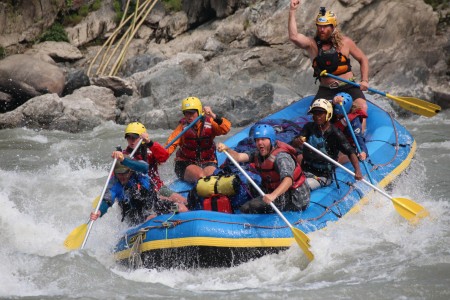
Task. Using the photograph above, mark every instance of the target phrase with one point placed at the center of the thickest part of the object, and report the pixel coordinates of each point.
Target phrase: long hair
(336, 38)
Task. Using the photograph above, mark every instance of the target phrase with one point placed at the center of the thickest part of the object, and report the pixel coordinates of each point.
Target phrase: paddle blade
(409, 209)
(416, 105)
(95, 202)
(303, 241)
(75, 239)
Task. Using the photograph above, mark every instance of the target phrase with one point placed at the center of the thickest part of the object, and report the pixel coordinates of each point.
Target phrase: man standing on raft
(329, 50)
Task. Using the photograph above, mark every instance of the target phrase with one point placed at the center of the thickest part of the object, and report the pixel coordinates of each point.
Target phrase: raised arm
(298, 39)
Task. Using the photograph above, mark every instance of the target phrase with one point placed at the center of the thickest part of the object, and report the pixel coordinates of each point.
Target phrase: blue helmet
(265, 131)
(346, 104)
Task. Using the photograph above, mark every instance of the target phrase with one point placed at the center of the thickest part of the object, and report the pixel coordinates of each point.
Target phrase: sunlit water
(48, 180)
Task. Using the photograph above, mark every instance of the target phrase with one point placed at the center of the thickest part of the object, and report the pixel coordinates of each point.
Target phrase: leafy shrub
(173, 5)
(55, 33)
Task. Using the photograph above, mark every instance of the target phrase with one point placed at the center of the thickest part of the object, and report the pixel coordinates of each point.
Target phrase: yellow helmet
(326, 17)
(322, 104)
(136, 128)
(192, 103)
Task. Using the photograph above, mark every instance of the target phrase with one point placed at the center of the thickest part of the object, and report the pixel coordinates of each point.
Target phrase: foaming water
(48, 181)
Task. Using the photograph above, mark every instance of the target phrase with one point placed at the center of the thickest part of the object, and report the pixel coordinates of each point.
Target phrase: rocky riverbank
(234, 55)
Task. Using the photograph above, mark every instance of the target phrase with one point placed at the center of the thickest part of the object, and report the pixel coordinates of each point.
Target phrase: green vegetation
(70, 17)
(55, 33)
(2, 53)
(173, 5)
(119, 12)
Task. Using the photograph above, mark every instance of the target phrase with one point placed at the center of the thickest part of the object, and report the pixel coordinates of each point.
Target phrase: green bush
(70, 17)
(173, 5)
(2, 52)
(55, 33)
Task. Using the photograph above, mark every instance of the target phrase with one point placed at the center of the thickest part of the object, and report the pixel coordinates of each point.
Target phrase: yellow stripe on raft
(211, 242)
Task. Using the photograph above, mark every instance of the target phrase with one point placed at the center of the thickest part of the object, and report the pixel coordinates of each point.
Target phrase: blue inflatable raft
(203, 238)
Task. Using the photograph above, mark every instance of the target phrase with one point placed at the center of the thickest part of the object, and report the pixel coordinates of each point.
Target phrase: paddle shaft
(99, 202)
(257, 187)
(183, 132)
(349, 125)
(345, 169)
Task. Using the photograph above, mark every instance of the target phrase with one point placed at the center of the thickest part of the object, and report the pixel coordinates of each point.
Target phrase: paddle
(184, 131)
(300, 237)
(78, 237)
(349, 126)
(415, 105)
(407, 208)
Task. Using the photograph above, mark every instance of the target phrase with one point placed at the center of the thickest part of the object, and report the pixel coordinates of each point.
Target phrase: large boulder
(85, 109)
(24, 77)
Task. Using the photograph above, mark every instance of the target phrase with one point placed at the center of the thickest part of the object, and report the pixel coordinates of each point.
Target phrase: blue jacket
(136, 199)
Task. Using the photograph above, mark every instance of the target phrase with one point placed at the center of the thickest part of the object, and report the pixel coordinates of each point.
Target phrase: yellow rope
(136, 18)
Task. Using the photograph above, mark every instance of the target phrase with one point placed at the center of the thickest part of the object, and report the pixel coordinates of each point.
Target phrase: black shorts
(181, 165)
(328, 94)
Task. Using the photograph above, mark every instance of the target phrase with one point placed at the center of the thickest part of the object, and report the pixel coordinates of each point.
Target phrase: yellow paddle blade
(75, 239)
(422, 103)
(95, 202)
(303, 241)
(409, 209)
(417, 106)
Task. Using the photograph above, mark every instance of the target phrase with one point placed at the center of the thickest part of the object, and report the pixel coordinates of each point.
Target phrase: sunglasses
(131, 137)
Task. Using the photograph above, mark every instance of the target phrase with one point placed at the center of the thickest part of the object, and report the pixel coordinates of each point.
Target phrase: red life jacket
(331, 60)
(342, 123)
(197, 147)
(270, 177)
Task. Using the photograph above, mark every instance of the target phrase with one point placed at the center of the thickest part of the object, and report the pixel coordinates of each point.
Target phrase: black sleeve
(218, 120)
(342, 142)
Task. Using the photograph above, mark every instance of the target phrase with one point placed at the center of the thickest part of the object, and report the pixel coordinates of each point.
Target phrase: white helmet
(322, 104)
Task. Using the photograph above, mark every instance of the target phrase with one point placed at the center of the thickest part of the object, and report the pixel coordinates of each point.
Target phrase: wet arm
(136, 165)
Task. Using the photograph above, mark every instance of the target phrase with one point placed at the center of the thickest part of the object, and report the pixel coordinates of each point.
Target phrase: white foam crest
(38, 212)
(15, 270)
(21, 232)
(436, 145)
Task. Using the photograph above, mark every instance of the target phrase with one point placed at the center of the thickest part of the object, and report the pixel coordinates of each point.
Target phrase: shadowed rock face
(234, 55)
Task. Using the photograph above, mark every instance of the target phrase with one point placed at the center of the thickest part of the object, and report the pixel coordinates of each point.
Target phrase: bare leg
(361, 104)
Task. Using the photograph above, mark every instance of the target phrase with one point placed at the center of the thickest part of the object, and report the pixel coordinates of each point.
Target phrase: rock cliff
(236, 57)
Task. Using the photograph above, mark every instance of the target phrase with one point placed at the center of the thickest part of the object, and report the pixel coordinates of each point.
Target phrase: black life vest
(313, 162)
(331, 60)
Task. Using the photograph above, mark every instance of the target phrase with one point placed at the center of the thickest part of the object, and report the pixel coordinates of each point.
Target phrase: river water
(48, 180)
